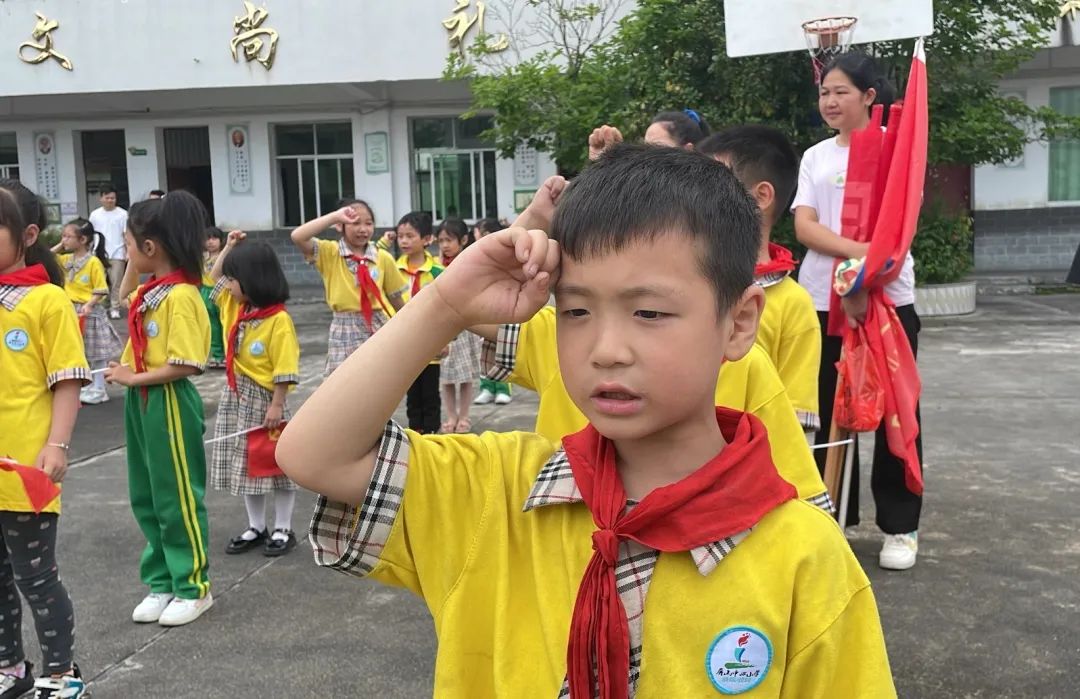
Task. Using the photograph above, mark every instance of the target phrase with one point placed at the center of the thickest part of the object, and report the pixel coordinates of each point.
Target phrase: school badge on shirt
(17, 340)
(152, 329)
(257, 349)
(738, 659)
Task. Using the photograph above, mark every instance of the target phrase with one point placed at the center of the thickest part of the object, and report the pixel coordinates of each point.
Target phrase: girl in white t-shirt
(851, 84)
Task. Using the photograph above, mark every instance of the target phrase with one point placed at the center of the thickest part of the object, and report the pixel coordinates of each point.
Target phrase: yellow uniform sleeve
(848, 659)
(62, 342)
(429, 499)
(323, 258)
(391, 280)
(536, 362)
(98, 282)
(188, 327)
(284, 350)
(799, 360)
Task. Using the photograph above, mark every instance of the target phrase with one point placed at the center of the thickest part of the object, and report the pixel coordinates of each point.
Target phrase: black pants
(28, 564)
(898, 508)
(423, 402)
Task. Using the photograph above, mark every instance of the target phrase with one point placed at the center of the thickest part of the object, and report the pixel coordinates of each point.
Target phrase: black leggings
(423, 403)
(28, 564)
(898, 509)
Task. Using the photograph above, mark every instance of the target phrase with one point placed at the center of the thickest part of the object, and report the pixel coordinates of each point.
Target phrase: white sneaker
(184, 611)
(502, 399)
(484, 398)
(84, 394)
(899, 551)
(114, 313)
(94, 397)
(150, 609)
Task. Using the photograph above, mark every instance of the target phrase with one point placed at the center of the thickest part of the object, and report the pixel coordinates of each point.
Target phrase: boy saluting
(656, 553)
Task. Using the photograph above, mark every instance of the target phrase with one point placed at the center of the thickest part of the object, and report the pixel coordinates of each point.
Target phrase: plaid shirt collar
(371, 253)
(555, 485)
(11, 295)
(770, 279)
(155, 297)
(74, 264)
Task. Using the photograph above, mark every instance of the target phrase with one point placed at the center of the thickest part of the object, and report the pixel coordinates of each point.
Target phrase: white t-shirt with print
(822, 176)
(111, 225)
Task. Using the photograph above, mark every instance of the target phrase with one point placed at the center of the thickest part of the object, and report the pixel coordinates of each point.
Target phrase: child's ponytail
(177, 223)
(24, 209)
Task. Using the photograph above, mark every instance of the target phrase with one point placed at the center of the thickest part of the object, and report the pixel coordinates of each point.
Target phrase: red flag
(889, 205)
(261, 445)
(40, 490)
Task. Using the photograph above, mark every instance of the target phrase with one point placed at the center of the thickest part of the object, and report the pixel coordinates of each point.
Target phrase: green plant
(943, 247)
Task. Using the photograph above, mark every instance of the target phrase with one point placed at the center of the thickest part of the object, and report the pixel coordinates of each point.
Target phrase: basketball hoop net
(828, 37)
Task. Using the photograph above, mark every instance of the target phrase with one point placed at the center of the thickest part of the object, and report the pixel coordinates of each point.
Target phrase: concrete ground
(991, 610)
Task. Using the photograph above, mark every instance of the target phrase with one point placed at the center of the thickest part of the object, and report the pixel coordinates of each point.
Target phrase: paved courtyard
(991, 610)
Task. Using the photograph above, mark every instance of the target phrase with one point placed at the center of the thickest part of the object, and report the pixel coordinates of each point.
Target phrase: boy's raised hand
(235, 237)
(505, 277)
(542, 207)
(601, 139)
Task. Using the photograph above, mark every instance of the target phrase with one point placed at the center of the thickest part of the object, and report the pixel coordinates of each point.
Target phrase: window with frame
(1065, 154)
(9, 156)
(314, 169)
(453, 167)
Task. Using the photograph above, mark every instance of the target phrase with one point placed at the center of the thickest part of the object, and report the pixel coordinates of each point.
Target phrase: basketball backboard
(757, 27)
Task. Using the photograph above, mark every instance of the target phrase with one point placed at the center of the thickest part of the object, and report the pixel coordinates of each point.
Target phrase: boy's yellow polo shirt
(491, 532)
(527, 355)
(83, 277)
(342, 294)
(40, 346)
(268, 352)
(428, 271)
(177, 328)
(791, 335)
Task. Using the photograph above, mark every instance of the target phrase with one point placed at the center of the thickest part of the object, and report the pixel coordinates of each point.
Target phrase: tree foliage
(671, 54)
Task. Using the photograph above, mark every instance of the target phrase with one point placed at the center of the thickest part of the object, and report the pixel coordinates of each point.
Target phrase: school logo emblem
(17, 340)
(257, 349)
(841, 179)
(85, 279)
(152, 329)
(738, 659)
(375, 274)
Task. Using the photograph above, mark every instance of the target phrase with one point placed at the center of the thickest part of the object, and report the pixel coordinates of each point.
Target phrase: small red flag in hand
(40, 489)
(261, 445)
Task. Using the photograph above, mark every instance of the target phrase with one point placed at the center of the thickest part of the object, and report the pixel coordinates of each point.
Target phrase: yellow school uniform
(268, 352)
(40, 346)
(429, 270)
(491, 532)
(177, 328)
(526, 354)
(342, 293)
(208, 264)
(791, 335)
(83, 277)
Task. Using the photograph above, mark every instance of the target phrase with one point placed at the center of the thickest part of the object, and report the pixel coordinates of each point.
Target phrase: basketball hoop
(828, 37)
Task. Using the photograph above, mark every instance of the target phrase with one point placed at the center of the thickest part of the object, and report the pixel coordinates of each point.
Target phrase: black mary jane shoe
(279, 547)
(238, 544)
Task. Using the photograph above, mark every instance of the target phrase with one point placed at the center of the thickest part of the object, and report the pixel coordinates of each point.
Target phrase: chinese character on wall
(259, 43)
(1071, 8)
(460, 22)
(43, 44)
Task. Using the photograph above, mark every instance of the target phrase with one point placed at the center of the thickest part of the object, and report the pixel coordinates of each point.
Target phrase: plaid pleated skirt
(347, 332)
(462, 365)
(242, 410)
(100, 338)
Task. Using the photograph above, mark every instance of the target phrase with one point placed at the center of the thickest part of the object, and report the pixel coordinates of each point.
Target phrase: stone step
(1019, 282)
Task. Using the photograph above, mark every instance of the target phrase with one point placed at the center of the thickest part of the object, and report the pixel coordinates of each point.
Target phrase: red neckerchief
(40, 490)
(780, 260)
(447, 260)
(234, 333)
(727, 495)
(367, 288)
(136, 331)
(34, 275)
(415, 274)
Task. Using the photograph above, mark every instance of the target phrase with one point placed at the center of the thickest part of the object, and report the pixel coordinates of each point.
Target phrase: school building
(269, 112)
(1027, 211)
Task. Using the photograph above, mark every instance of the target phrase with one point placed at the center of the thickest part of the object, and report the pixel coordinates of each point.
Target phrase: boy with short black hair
(525, 551)
(766, 163)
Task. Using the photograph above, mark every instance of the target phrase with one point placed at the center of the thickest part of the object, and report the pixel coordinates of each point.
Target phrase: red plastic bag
(261, 444)
(860, 395)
